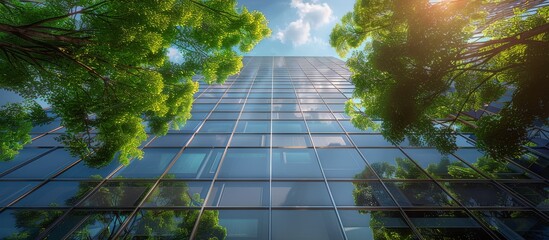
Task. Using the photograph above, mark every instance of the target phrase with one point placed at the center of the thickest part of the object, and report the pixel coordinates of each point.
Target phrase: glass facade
(271, 154)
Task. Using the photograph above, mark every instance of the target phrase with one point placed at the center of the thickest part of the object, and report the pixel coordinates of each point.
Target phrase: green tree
(103, 67)
(16, 121)
(418, 62)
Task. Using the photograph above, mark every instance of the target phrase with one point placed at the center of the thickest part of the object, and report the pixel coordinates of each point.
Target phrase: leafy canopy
(418, 61)
(103, 67)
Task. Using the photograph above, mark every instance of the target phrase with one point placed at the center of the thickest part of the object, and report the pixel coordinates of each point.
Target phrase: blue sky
(300, 27)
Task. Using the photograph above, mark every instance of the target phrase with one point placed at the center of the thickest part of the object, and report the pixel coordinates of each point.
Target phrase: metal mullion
(271, 151)
(334, 205)
(208, 195)
(172, 162)
(401, 210)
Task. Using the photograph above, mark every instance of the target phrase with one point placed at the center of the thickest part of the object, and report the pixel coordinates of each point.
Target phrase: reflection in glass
(419, 194)
(209, 140)
(250, 140)
(324, 126)
(391, 163)
(170, 140)
(89, 225)
(481, 194)
(343, 163)
(26, 223)
(178, 194)
(535, 193)
(196, 163)
(117, 194)
(9, 191)
(253, 127)
(23, 156)
(289, 127)
(291, 140)
(378, 225)
(295, 163)
(447, 225)
(57, 194)
(300, 194)
(305, 224)
(44, 166)
(360, 193)
(152, 165)
(442, 166)
(251, 194)
(331, 140)
(245, 163)
(494, 168)
(515, 224)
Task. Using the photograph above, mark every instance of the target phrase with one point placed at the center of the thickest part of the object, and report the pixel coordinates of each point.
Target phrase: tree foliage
(418, 61)
(102, 65)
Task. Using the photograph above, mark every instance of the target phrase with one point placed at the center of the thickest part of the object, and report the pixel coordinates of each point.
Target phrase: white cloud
(311, 16)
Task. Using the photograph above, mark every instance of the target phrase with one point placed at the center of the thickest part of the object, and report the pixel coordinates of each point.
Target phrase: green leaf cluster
(418, 61)
(102, 65)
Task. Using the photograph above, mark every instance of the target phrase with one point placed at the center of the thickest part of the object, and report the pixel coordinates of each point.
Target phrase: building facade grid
(271, 154)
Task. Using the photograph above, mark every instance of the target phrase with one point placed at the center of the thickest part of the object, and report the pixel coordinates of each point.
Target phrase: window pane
(291, 140)
(289, 127)
(324, 126)
(196, 163)
(361, 224)
(170, 140)
(305, 224)
(447, 225)
(535, 193)
(343, 163)
(419, 194)
(251, 194)
(90, 225)
(250, 140)
(481, 194)
(9, 191)
(331, 140)
(44, 166)
(239, 224)
(499, 169)
(209, 140)
(392, 163)
(372, 140)
(57, 194)
(295, 163)
(245, 163)
(16, 224)
(118, 194)
(300, 194)
(515, 224)
(218, 127)
(442, 166)
(82, 171)
(178, 194)
(153, 164)
(23, 156)
(360, 194)
(253, 127)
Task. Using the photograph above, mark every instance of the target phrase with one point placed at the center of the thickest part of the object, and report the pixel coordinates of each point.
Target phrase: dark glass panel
(295, 163)
(245, 163)
(9, 191)
(515, 224)
(419, 194)
(536, 193)
(481, 194)
(300, 194)
(447, 225)
(305, 224)
(392, 163)
(244, 194)
(26, 223)
(178, 194)
(57, 194)
(170, 140)
(23, 156)
(442, 166)
(153, 164)
(494, 168)
(360, 193)
(364, 224)
(44, 166)
(117, 194)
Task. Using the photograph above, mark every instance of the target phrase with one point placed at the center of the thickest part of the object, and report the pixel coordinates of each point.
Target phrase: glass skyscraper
(271, 154)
